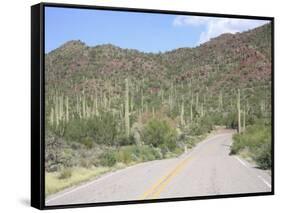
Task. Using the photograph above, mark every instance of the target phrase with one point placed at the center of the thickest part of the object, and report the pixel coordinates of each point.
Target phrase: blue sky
(143, 31)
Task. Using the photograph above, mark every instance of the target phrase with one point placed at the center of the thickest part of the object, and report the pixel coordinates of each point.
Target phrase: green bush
(257, 139)
(263, 156)
(87, 142)
(57, 153)
(125, 156)
(202, 126)
(159, 133)
(103, 129)
(123, 140)
(76, 130)
(147, 153)
(231, 120)
(65, 173)
(237, 145)
(108, 158)
(136, 153)
(99, 129)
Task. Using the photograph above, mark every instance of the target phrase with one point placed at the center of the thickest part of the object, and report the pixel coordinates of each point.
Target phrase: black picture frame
(38, 103)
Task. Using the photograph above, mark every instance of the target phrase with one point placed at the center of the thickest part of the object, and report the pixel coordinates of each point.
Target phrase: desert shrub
(85, 163)
(57, 153)
(87, 142)
(263, 156)
(157, 153)
(201, 126)
(103, 129)
(99, 129)
(136, 153)
(123, 140)
(67, 158)
(159, 133)
(231, 120)
(76, 130)
(125, 155)
(237, 144)
(65, 173)
(147, 153)
(217, 118)
(257, 139)
(108, 158)
(178, 151)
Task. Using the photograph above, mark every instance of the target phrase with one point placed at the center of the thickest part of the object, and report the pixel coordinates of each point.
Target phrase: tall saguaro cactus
(197, 101)
(141, 100)
(182, 114)
(96, 105)
(202, 110)
(83, 105)
(57, 110)
(220, 101)
(191, 113)
(52, 116)
(67, 109)
(244, 119)
(238, 111)
(127, 113)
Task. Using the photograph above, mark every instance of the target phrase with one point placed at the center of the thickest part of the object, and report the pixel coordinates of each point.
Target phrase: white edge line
(242, 162)
(68, 192)
(265, 182)
(260, 177)
(105, 176)
(85, 185)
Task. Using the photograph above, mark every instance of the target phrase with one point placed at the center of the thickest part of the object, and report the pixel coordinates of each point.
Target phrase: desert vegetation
(108, 107)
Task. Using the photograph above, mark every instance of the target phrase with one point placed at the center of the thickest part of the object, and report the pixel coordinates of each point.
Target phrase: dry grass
(54, 182)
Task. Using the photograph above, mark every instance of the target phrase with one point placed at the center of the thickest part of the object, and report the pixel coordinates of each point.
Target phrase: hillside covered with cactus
(105, 104)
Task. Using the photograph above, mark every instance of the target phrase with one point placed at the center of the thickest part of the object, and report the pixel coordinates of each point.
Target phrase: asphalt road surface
(206, 170)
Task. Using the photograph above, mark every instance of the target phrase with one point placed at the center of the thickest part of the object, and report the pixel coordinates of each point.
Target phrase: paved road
(207, 170)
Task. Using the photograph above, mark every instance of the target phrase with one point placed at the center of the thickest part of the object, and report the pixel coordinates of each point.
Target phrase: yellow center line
(155, 190)
(159, 186)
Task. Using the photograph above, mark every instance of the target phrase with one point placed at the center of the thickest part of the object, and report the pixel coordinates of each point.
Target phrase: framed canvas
(141, 106)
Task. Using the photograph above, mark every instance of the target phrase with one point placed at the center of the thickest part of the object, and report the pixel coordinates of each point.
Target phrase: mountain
(230, 60)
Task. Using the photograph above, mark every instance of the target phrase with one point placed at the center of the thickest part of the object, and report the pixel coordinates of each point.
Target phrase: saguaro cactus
(197, 101)
(244, 119)
(84, 106)
(127, 113)
(182, 114)
(52, 116)
(132, 103)
(142, 100)
(57, 110)
(220, 101)
(96, 105)
(191, 113)
(66, 109)
(60, 108)
(202, 110)
(191, 106)
(238, 112)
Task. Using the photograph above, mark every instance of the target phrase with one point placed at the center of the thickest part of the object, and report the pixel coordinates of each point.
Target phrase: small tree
(159, 133)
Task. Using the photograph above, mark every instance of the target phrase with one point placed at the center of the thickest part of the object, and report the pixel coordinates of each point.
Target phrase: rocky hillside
(230, 60)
